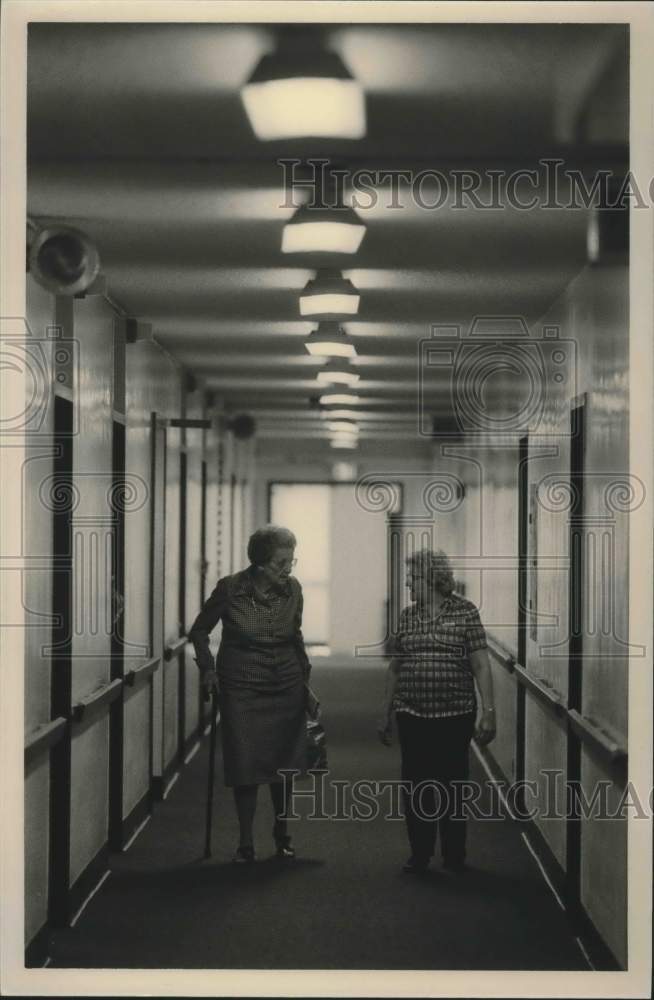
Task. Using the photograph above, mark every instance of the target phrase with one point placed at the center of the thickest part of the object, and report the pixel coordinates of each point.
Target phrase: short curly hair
(264, 541)
(434, 567)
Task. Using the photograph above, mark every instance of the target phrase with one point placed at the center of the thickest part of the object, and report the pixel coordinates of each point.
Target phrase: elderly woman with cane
(260, 679)
(440, 652)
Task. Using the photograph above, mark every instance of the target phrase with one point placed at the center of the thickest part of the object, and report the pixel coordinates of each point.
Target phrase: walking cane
(212, 768)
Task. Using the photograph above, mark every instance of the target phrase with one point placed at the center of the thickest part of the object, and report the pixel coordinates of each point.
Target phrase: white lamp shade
(336, 413)
(330, 340)
(322, 237)
(337, 376)
(329, 304)
(343, 426)
(339, 399)
(341, 441)
(329, 295)
(302, 106)
(332, 348)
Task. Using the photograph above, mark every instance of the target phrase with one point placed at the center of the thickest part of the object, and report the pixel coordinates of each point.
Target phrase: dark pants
(434, 751)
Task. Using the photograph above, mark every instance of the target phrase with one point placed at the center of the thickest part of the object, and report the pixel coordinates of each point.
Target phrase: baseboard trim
(37, 951)
(88, 881)
(161, 781)
(135, 818)
(190, 743)
(596, 948)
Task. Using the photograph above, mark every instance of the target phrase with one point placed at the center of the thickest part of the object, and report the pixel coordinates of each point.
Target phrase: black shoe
(415, 866)
(244, 856)
(284, 848)
(456, 867)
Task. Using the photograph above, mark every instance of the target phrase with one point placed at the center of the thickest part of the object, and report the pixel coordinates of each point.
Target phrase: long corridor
(343, 903)
(328, 339)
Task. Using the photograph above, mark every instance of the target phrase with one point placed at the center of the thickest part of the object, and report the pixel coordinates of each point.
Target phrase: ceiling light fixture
(330, 340)
(343, 426)
(339, 399)
(337, 373)
(323, 230)
(342, 441)
(302, 90)
(336, 413)
(328, 296)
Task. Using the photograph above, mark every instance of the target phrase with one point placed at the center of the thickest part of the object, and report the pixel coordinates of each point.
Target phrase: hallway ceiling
(136, 134)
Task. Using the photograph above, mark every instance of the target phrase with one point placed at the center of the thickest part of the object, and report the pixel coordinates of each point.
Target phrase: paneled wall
(91, 631)
(130, 712)
(193, 560)
(35, 541)
(593, 312)
(592, 321)
(153, 395)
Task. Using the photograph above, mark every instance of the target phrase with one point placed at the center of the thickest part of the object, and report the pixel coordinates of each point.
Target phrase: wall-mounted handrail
(541, 689)
(610, 749)
(502, 655)
(139, 674)
(175, 648)
(537, 686)
(93, 703)
(593, 734)
(43, 738)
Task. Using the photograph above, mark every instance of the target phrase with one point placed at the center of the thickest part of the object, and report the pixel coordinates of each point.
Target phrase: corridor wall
(107, 730)
(37, 596)
(591, 317)
(593, 312)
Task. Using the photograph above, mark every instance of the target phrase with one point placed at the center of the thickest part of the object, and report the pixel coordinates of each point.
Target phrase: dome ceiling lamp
(329, 296)
(339, 399)
(330, 340)
(303, 90)
(314, 229)
(343, 426)
(340, 440)
(338, 413)
(338, 372)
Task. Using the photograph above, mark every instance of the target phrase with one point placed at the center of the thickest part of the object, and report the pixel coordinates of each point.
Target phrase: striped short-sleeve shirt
(435, 676)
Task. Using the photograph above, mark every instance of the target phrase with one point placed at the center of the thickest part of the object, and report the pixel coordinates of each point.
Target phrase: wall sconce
(329, 295)
(303, 90)
(331, 340)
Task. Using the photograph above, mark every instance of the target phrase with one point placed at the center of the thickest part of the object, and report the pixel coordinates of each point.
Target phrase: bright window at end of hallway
(304, 508)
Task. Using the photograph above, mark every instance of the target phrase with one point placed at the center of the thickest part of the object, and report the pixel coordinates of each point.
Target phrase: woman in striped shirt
(440, 651)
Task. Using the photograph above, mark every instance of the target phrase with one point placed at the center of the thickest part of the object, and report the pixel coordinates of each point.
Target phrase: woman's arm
(480, 664)
(384, 727)
(298, 638)
(212, 611)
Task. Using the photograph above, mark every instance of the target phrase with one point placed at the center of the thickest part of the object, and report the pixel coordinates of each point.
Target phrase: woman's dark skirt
(263, 731)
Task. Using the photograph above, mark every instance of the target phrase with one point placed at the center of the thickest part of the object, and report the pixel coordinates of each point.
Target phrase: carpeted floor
(344, 903)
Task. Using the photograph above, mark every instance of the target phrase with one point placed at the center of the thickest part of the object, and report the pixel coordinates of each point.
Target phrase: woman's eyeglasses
(287, 564)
